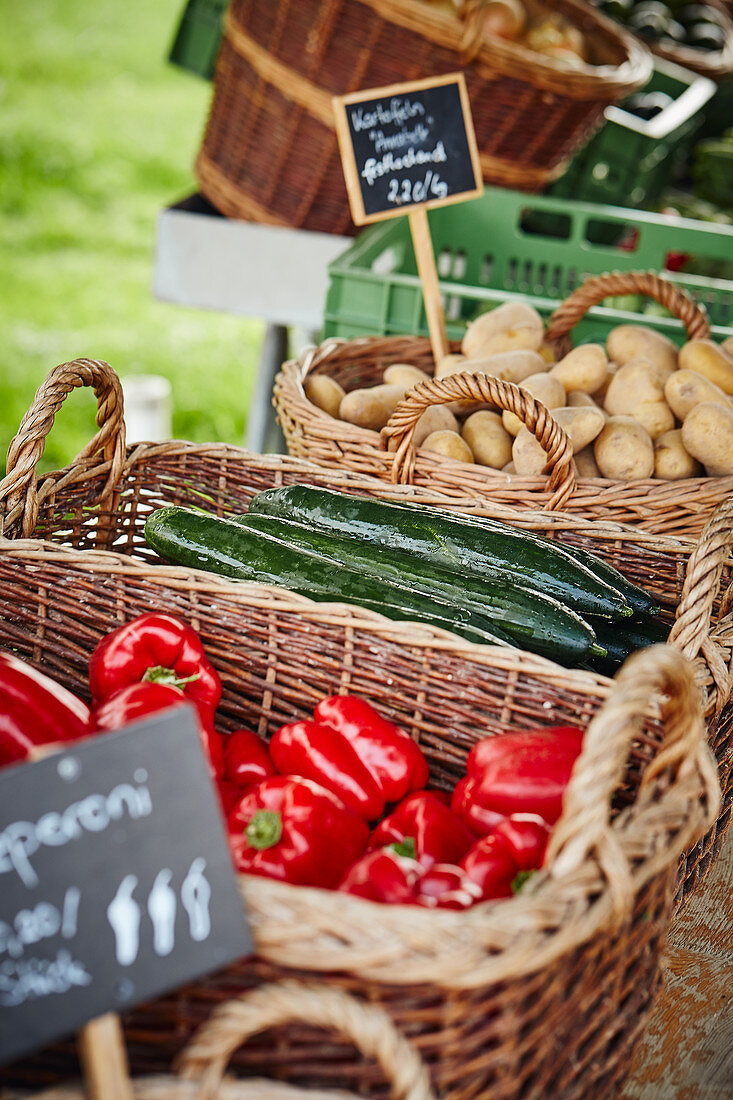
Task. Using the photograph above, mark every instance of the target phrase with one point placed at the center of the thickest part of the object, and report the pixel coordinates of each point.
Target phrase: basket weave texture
(544, 994)
(270, 154)
(668, 507)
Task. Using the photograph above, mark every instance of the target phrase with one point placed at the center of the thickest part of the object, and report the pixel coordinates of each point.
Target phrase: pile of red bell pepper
(341, 801)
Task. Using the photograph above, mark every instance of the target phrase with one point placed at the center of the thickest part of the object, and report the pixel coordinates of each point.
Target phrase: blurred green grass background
(98, 132)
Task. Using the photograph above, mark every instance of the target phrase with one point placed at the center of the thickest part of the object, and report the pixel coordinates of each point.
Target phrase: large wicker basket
(543, 995)
(678, 507)
(270, 153)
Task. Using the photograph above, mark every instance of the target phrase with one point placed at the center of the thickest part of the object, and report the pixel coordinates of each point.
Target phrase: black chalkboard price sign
(404, 149)
(407, 146)
(116, 882)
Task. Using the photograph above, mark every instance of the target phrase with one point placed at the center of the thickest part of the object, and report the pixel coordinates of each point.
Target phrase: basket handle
(595, 289)
(702, 581)
(367, 1026)
(661, 673)
(20, 498)
(397, 434)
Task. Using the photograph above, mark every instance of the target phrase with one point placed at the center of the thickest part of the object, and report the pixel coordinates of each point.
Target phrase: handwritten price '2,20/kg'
(414, 191)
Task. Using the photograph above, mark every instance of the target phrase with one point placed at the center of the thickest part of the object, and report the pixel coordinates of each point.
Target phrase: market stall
(388, 765)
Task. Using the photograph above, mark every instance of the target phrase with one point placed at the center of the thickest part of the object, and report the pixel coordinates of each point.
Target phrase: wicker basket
(202, 1064)
(541, 995)
(270, 154)
(674, 507)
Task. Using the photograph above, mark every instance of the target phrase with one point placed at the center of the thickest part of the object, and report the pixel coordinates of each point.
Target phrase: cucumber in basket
(237, 549)
(620, 639)
(468, 543)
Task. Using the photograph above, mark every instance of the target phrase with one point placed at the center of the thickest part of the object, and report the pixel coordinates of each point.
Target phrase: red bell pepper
(246, 759)
(444, 886)
(527, 836)
(35, 710)
(491, 865)
(424, 827)
(296, 831)
(383, 875)
(394, 759)
(513, 850)
(229, 795)
(321, 754)
(137, 701)
(158, 648)
(522, 772)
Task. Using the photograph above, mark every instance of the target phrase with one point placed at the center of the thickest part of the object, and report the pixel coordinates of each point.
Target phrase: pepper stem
(265, 829)
(519, 880)
(158, 674)
(405, 847)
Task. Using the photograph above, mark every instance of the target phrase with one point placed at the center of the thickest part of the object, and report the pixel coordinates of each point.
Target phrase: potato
(371, 408)
(511, 366)
(547, 353)
(489, 441)
(671, 460)
(727, 346)
(708, 359)
(628, 342)
(434, 419)
(324, 392)
(546, 389)
(404, 374)
(707, 434)
(584, 368)
(599, 396)
(448, 444)
(528, 457)
(635, 390)
(579, 400)
(686, 388)
(585, 462)
(510, 468)
(624, 450)
(511, 326)
(582, 425)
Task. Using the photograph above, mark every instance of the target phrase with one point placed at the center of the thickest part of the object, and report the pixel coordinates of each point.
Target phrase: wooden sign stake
(104, 1059)
(425, 257)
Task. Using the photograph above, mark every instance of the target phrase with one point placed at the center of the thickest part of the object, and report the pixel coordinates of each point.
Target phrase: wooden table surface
(687, 1051)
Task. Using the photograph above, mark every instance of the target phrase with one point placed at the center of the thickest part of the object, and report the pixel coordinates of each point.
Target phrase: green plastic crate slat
(198, 38)
(629, 161)
(508, 245)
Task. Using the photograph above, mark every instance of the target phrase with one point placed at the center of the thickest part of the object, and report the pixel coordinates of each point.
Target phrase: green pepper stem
(405, 847)
(265, 829)
(158, 674)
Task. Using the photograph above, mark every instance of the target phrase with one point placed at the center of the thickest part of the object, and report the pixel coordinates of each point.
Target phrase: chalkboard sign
(116, 882)
(407, 146)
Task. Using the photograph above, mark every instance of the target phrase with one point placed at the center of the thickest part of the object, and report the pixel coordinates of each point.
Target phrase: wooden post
(104, 1059)
(423, 245)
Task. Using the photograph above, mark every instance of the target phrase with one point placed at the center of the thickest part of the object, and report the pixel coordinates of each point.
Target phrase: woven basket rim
(585, 81)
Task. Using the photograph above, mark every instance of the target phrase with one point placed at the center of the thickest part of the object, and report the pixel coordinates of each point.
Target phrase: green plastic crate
(630, 161)
(198, 38)
(508, 245)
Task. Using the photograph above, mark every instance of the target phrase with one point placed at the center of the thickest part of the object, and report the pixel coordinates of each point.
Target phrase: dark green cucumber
(469, 544)
(200, 541)
(530, 618)
(641, 602)
(245, 550)
(620, 640)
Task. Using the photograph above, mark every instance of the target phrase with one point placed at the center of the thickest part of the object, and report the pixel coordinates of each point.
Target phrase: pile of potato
(636, 408)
